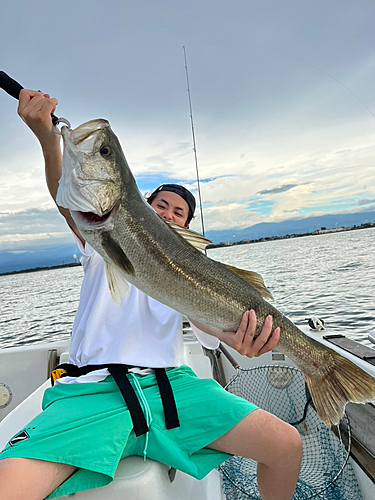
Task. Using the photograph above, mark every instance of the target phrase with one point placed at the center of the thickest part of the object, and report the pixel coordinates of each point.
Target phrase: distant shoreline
(219, 245)
(47, 268)
(318, 232)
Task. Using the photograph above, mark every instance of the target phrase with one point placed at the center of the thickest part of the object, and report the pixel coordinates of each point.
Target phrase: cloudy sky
(283, 98)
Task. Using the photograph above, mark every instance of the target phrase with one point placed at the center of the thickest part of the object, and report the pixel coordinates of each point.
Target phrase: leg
(275, 445)
(29, 479)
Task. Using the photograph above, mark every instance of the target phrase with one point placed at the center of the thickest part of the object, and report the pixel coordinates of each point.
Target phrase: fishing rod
(194, 144)
(13, 88)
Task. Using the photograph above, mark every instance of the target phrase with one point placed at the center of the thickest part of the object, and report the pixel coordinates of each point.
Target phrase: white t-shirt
(140, 331)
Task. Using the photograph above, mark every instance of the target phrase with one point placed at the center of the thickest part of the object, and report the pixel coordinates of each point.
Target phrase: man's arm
(243, 339)
(35, 109)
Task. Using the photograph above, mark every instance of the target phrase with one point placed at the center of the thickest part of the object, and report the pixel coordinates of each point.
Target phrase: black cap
(181, 191)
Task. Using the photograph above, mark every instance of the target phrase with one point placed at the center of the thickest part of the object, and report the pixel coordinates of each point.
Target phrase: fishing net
(325, 471)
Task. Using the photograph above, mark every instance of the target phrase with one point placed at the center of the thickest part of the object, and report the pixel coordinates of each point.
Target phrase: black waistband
(119, 373)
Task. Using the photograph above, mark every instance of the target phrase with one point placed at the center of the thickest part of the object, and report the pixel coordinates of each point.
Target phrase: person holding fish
(127, 345)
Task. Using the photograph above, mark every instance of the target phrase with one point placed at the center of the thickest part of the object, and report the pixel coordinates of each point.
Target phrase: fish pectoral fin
(117, 284)
(198, 241)
(115, 269)
(116, 254)
(254, 279)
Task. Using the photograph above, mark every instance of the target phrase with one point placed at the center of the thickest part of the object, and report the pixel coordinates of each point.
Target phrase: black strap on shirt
(119, 373)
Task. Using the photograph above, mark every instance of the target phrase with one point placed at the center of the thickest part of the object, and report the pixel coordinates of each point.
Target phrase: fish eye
(105, 151)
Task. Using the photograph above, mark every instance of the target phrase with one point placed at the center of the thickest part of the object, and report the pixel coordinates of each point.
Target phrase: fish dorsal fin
(195, 239)
(117, 284)
(254, 279)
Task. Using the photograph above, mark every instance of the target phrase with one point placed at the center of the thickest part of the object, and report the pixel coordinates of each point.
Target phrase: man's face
(171, 207)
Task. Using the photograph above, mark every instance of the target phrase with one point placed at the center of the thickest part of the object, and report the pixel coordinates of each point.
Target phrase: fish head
(94, 174)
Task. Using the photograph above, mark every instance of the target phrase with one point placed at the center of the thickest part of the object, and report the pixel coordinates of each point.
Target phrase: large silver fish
(165, 261)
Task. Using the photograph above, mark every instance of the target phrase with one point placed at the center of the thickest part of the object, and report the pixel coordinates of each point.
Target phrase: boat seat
(64, 357)
(139, 479)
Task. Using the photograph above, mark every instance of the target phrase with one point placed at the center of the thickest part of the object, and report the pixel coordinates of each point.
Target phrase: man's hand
(35, 109)
(243, 339)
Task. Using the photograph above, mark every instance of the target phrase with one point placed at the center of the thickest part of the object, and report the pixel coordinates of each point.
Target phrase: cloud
(31, 221)
(291, 203)
(33, 227)
(17, 252)
(158, 152)
(364, 202)
(32, 239)
(233, 215)
(280, 189)
(343, 152)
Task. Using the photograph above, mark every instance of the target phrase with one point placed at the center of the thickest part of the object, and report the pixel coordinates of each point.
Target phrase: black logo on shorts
(22, 436)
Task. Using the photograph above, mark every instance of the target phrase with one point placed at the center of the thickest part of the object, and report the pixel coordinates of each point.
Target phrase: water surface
(331, 276)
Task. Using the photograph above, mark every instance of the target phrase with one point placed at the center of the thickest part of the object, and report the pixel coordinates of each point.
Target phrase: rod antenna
(194, 144)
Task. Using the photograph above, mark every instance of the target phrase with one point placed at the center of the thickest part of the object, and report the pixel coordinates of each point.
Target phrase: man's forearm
(53, 169)
(52, 162)
(210, 330)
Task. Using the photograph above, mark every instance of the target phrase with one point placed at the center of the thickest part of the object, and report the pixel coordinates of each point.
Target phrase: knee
(292, 443)
(295, 438)
(286, 444)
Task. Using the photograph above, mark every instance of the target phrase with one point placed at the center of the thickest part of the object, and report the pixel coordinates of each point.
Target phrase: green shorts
(87, 425)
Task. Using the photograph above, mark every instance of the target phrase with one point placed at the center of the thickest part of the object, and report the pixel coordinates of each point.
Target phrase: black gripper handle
(13, 88)
(10, 86)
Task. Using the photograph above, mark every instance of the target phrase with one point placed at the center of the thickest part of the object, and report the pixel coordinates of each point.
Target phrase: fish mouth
(80, 134)
(91, 220)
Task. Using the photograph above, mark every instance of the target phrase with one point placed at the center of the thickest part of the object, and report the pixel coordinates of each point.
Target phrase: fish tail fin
(343, 383)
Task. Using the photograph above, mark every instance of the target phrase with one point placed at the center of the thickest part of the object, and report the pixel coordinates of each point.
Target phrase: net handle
(229, 357)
